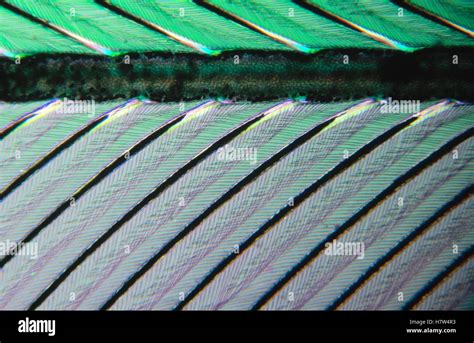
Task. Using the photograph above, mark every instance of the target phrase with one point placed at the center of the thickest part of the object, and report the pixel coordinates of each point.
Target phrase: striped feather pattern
(209, 27)
(26, 37)
(230, 206)
(458, 14)
(454, 292)
(388, 23)
(96, 27)
(195, 26)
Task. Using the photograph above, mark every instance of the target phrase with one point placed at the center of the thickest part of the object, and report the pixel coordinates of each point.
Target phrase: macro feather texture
(210, 27)
(223, 205)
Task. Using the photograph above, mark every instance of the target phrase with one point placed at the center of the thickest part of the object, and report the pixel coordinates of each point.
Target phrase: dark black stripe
(439, 278)
(96, 179)
(214, 206)
(38, 164)
(155, 193)
(339, 168)
(458, 199)
(410, 174)
(425, 14)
